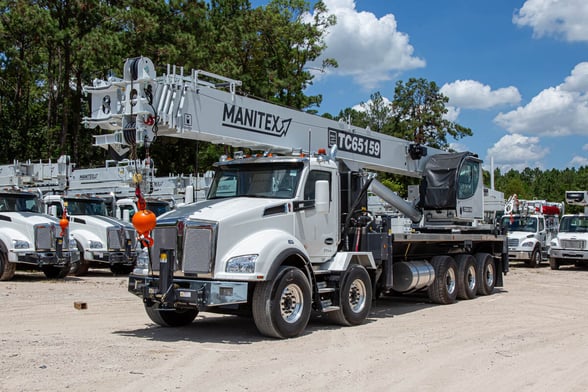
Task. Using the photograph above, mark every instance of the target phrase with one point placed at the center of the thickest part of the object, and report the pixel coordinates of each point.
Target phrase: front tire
(81, 266)
(554, 263)
(56, 272)
(282, 307)
(7, 269)
(485, 273)
(355, 297)
(444, 288)
(467, 284)
(121, 269)
(172, 317)
(535, 260)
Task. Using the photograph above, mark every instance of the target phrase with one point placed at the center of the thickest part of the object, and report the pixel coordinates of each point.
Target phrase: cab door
(319, 232)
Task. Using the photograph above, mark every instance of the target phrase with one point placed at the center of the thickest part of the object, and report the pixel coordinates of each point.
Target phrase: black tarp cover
(438, 188)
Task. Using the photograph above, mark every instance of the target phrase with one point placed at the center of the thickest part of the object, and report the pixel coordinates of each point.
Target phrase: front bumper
(519, 255)
(46, 258)
(113, 257)
(188, 292)
(571, 254)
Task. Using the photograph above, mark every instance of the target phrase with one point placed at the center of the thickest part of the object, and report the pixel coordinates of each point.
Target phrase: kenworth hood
(98, 221)
(219, 210)
(27, 218)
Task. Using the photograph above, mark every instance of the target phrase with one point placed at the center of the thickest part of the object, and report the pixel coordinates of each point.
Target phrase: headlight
(20, 244)
(72, 243)
(242, 264)
(527, 244)
(142, 263)
(553, 243)
(95, 244)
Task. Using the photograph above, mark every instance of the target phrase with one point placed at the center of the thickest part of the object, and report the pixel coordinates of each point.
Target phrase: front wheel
(121, 269)
(444, 288)
(55, 272)
(535, 260)
(554, 263)
(282, 306)
(7, 269)
(171, 317)
(81, 266)
(355, 297)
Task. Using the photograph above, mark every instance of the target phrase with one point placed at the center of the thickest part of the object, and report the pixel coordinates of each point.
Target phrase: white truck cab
(101, 240)
(31, 239)
(571, 244)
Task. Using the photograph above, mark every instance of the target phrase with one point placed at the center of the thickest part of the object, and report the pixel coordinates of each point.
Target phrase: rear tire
(7, 269)
(444, 288)
(172, 317)
(467, 283)
(282, 306)
(355, 297)
(485, 273)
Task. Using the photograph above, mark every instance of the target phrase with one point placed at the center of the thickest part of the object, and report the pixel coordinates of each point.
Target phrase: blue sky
(516, 72)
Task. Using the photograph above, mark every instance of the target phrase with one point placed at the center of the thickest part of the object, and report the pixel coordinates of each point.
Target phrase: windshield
(278, 180)
(574, 224)
(520, 223)
(18, 203)
(86, 207)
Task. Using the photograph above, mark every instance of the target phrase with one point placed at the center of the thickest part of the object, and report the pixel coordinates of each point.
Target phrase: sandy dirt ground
(531, 335)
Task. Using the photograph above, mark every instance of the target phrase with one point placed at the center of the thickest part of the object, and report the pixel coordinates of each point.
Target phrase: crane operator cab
(452, 189)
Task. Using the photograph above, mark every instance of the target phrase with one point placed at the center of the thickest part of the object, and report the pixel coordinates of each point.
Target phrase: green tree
(419, 114)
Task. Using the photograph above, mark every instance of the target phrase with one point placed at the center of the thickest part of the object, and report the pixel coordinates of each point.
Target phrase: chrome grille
(114, 238)
(198, 247)
(164, 237)
(513, 242)
(45, 237)
(573, 244)
(132, 234)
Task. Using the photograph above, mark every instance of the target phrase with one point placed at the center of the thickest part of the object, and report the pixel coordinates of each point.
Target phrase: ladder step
(324, 290)
(330, 308)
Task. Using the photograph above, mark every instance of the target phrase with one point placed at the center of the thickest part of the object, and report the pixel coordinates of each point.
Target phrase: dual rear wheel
(462, 278)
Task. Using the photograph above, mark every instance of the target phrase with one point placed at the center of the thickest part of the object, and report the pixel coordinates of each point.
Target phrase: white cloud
(555, 111)
(578, 161)
(471, 94)
(452, 113)
(561, 18)
(517, 152)
(369, 49)
(585, 147)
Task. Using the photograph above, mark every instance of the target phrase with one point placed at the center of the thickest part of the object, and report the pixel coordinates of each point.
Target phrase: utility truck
(285, 233)
(28, 238)
(530, 226)
(571, 244)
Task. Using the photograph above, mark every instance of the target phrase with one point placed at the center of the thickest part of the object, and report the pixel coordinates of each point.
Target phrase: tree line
(49, 49)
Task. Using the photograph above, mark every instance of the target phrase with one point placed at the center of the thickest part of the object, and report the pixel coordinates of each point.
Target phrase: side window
(313, 177)
(468, 180)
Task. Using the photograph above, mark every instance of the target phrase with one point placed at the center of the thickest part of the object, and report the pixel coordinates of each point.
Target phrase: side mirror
(321, 196)
(52, 210)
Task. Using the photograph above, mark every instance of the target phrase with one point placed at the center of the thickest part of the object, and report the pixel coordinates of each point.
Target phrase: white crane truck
(284, 236)
(28, 238)
(570, 246)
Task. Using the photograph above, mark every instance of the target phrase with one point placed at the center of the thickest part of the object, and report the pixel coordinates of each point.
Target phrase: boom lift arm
(204, 106)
